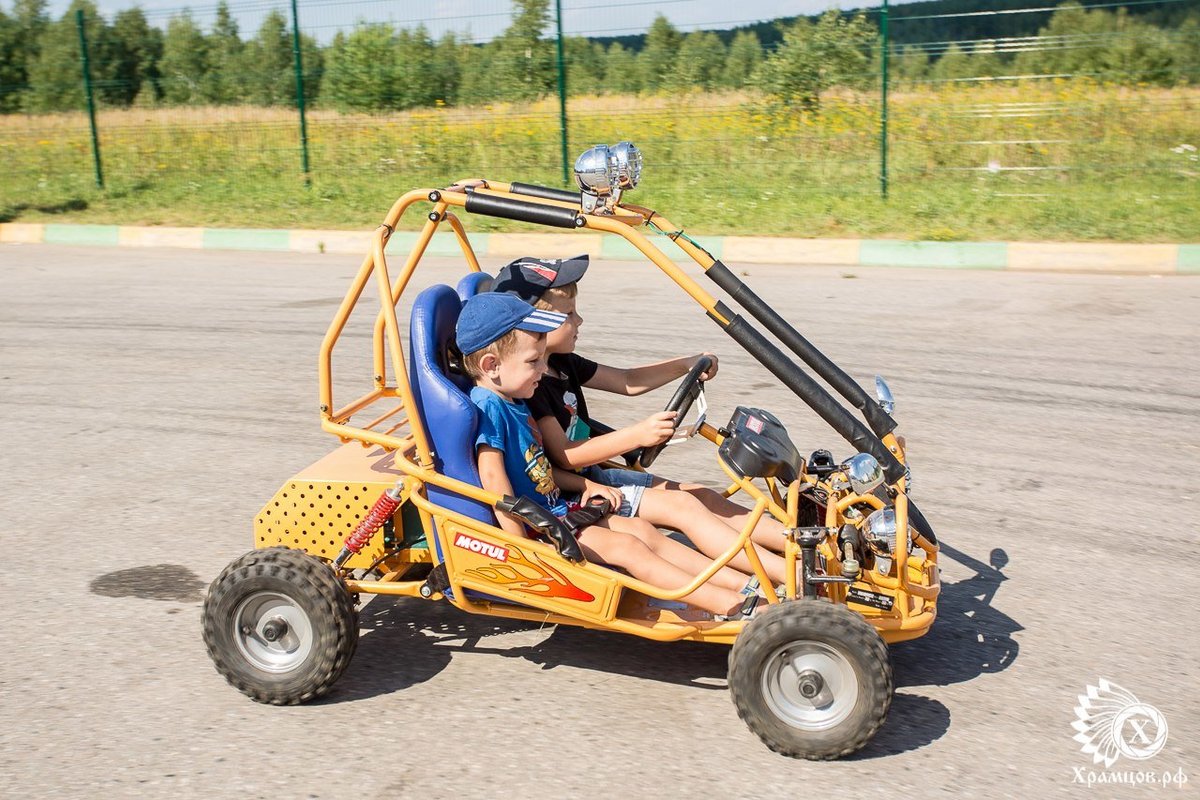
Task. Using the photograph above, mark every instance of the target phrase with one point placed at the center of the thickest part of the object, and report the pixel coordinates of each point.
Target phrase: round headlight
(628, 161)
(880, 529)
(864, 473)
(594, 170)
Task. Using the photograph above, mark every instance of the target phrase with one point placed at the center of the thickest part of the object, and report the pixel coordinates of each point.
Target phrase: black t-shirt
(562, 398)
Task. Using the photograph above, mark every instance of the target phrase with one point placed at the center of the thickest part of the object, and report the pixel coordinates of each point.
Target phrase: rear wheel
(280, 626)
(812, 679)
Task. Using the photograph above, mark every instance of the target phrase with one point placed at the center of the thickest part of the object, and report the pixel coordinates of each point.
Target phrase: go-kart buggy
(398, 508)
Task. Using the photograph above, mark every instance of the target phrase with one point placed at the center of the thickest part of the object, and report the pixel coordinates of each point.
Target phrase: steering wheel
(685, 394)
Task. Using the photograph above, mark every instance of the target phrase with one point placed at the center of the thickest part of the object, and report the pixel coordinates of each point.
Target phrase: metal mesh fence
(321, 104)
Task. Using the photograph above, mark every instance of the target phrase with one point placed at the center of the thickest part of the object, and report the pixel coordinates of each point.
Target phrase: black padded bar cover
(879, 420)
(507, 208)
(920, 523)
(544, 192)
(810, 392)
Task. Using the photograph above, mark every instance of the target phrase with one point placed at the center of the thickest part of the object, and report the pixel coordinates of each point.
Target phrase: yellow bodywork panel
(318, 508)
(519, 574)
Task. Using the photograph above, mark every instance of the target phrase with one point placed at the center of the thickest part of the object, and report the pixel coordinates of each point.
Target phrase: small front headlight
(594, 170)
(628, 161)
(864, 473)
(880, 530)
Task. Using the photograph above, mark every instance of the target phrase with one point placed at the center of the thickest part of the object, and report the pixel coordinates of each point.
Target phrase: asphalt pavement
(152, 400)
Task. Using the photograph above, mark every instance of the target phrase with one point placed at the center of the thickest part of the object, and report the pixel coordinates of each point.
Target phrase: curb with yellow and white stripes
(1087, 257)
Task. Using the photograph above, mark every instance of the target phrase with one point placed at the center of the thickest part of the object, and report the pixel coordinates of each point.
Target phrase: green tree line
(378, 67)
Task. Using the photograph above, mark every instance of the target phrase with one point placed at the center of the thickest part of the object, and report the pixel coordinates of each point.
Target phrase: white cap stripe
(539, 313)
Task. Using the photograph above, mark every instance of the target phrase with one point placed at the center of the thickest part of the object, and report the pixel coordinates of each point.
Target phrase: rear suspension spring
(380, 513)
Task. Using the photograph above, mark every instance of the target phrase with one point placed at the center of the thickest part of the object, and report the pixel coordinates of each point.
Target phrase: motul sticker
(872, 599)
(483, 548)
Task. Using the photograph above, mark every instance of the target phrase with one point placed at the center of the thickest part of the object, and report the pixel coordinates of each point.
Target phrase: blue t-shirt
(508, 427)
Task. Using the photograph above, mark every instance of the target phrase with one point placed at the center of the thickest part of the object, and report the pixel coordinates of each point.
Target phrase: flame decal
(545, 580)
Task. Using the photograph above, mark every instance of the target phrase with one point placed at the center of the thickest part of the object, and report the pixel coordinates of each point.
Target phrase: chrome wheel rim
(272, 633)
(810, 685)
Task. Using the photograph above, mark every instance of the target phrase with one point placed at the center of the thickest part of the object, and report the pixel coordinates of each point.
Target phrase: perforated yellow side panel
(318, 508)
(317, 518)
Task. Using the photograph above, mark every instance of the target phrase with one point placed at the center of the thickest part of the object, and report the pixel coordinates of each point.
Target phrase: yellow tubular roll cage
(914, 587)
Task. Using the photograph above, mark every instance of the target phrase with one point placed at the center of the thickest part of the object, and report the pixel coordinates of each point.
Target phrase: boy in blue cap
(503, 340)
(560, 410)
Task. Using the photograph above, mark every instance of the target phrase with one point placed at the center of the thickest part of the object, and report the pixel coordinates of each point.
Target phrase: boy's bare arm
(653, 430)
(639, 380)
(495, 479)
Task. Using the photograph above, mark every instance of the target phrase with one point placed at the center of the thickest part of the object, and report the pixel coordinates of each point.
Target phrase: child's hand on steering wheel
(591, 489)
(711, 372)
(656, 428)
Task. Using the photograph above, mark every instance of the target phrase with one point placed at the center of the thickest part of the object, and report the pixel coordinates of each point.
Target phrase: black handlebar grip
(508, 208)
(546, 523)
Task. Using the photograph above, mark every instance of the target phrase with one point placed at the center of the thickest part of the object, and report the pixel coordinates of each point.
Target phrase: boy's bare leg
(628, 552)
(685, 512)
(678, 553)
(768, 532)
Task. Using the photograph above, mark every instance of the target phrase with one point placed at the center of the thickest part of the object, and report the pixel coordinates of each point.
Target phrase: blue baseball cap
(488, 316)
(529, 278)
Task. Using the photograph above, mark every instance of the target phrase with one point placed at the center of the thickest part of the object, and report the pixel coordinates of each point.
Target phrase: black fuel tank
(758, 446)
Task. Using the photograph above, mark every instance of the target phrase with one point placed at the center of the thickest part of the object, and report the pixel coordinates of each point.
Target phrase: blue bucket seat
(449, 417)
(474, 283)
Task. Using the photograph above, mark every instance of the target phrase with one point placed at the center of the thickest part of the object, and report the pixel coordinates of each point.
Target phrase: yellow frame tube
(325, 359)
(414, 257)
(463, 241)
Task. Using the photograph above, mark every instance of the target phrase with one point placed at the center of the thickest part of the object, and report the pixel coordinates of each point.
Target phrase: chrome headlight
(884, 393)
(594, 171)
(880, 531)
(864, 473)
(627, 161)
(604, 172)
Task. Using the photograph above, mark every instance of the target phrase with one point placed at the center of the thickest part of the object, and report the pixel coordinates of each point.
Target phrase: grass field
(1051, 161)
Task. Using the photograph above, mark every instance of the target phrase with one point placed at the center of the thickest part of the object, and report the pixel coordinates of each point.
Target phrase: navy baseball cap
(529, 278)
(488, 316)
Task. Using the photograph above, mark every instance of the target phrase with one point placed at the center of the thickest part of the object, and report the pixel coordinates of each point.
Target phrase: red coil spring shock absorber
(380, 513)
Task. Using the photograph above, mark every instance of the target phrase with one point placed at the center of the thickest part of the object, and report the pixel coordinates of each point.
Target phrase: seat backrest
(450, 419)
(474, 283)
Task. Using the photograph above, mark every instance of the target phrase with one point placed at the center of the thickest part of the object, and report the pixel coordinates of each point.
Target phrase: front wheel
(812, 679)
(280, 626)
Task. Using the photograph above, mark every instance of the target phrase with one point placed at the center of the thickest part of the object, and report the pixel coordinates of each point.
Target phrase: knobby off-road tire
(812, 679)
(280, 626)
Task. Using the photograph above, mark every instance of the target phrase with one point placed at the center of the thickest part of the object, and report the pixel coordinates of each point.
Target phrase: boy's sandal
(748, 610)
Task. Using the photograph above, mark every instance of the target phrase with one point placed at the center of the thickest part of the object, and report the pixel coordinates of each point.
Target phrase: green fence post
(91, 100)
(562, 95)
(883, 116)
(299, 64)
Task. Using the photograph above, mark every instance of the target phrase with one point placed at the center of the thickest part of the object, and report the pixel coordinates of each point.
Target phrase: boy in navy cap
(560, 412)
(503, 340)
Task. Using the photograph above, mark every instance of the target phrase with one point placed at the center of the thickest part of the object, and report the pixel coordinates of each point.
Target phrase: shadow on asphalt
(913, 722)
(406, 642)
(970, 638)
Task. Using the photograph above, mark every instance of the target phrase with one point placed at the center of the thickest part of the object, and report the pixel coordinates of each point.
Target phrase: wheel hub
(272, 632)
(276, 628)
(810, 685)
